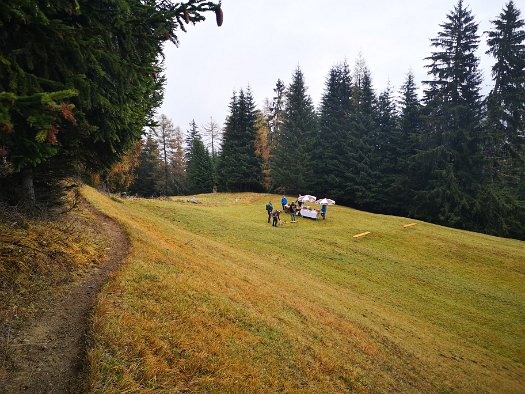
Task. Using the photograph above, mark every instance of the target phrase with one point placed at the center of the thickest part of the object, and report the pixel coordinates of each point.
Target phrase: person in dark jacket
(276, 217)
(293, 210)
(269, 209)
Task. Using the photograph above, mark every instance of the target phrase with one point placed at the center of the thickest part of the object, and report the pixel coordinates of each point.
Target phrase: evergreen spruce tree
(199, 167)
(365, 120)
(193, 133)
(148, 182)
(506, 101)
(386, 153)
(450, 166)
(406, 141)
(231, 131)
(276, 111)
(503, 199)
(336, 146)
(239, 165)
(292, 152)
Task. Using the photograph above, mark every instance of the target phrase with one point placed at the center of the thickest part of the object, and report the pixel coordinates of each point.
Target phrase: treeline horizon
(453, 157)
(78, 89)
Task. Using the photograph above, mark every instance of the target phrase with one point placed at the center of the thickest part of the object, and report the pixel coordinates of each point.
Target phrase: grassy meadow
(213, 299)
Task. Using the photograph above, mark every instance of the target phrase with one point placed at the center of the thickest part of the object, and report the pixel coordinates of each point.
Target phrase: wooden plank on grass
(409, 225)
(362, 234)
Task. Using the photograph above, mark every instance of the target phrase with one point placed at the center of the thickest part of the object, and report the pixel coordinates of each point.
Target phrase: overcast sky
(263, 40)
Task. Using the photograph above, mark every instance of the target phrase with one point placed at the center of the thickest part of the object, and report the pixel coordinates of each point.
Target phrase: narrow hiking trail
(49, 353)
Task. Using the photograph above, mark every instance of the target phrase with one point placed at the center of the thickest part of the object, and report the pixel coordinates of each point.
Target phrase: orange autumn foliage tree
(122, 174)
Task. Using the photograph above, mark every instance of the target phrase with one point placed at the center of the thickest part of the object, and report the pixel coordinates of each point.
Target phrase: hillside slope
(40, 258)
(52, 269)
(212, 298)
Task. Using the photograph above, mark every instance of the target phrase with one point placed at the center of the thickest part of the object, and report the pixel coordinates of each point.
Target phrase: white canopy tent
(325, 201)
(307, 198)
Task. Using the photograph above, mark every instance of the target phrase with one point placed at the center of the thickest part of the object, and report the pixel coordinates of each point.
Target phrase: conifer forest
(79, 88)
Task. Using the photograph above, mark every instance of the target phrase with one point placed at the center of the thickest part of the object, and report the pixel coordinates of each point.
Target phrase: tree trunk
(28, 189)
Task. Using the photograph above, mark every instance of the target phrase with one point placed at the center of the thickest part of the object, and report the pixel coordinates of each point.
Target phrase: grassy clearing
(39, 257)
(212, 298)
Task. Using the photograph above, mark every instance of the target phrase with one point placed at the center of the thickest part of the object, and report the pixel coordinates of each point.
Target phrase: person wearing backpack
(269, 209)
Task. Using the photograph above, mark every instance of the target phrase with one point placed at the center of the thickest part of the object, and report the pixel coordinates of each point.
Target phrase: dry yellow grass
(39, 258)
(212, 298)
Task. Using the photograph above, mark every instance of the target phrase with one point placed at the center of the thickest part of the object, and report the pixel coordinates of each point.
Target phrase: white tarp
(309, 213)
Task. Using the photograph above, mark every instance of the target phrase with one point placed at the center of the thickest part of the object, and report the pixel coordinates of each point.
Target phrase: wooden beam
(362, 234)
(409, 225)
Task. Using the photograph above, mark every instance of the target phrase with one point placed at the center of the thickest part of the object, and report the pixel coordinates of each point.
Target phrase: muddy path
(50, 352)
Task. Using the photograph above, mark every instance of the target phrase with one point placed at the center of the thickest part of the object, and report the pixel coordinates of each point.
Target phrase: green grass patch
(213, 298)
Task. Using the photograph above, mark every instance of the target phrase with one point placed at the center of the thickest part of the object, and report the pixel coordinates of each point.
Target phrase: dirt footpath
(49, 354)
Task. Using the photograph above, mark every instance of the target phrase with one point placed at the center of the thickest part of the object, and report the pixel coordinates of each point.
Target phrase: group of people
(276, 215)
(291, 209)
